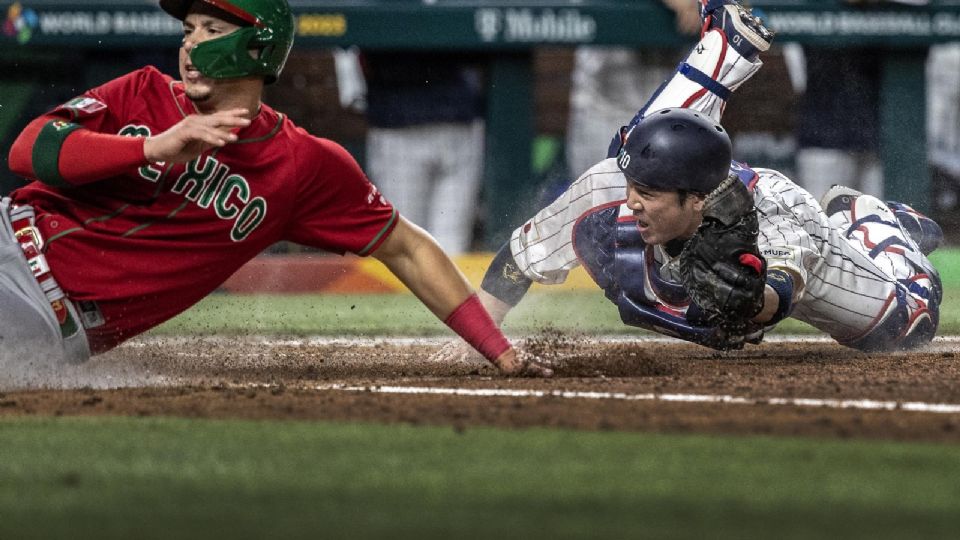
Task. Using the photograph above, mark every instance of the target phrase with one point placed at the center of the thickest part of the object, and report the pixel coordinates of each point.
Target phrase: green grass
(947, 261)
(402, 314)
(176, 478)
(380, 314)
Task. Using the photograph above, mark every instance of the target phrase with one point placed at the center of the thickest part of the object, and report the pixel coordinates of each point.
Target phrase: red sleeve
(337, 209)
(74, 144)
(62, 153)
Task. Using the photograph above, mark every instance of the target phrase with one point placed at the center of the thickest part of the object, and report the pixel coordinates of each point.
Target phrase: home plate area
(787, 386)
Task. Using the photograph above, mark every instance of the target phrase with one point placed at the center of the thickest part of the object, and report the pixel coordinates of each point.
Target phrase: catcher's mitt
(721, 266)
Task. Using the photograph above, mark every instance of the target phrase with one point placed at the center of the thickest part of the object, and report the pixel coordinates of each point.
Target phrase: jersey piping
(376, 239)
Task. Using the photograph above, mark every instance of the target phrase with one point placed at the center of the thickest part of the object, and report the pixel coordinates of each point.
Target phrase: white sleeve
(543, 247)
(792, 233)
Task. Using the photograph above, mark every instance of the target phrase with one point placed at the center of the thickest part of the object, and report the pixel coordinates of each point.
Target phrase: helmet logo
(624, 159)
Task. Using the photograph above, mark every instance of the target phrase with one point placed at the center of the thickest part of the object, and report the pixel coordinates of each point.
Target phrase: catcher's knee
(907, 324)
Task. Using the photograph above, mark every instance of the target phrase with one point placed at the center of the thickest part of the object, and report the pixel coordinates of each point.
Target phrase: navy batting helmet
(675, 149)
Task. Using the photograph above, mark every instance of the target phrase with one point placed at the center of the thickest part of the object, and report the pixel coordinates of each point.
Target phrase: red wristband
(472, 322)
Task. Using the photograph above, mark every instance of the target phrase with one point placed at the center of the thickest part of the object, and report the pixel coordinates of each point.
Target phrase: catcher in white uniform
(688, 243)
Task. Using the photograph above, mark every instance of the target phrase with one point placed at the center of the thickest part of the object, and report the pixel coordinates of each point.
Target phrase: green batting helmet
(270, 32)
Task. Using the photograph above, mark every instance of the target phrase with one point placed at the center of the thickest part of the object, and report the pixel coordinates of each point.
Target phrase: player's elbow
(406, 242)
(19, 160)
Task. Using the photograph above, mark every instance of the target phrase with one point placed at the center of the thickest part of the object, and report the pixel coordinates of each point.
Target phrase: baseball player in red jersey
(148, 193)
(851, 265)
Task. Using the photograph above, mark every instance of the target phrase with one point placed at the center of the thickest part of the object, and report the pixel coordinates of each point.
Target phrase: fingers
(233, 118)
(196, 134)
(512, 363)
(217, 128)
(515, 363)
(214, 136)
(533, 366)
(535, 370)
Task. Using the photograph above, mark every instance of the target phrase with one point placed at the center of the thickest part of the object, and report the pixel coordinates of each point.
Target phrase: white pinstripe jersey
(840, 290)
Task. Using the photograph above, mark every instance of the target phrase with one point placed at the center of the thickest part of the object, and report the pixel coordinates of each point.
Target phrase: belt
(31, 242)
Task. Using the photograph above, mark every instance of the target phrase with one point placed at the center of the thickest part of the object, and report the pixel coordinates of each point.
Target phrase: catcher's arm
(504, 285)
(778, 294)
(640, 305)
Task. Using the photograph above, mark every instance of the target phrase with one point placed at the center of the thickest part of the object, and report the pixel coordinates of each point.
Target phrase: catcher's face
(201, 24)
(661, 215)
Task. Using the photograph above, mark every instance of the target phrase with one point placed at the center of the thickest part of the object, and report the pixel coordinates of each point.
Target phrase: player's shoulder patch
(83, 106)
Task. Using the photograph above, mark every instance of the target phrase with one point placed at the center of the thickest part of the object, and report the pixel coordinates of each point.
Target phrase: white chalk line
(436, 340)
(858, 404)
(940, 343)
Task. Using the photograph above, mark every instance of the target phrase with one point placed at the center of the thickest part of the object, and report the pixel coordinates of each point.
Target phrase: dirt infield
(790, 387)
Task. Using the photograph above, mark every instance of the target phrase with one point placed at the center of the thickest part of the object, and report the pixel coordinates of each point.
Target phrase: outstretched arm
(416, 259)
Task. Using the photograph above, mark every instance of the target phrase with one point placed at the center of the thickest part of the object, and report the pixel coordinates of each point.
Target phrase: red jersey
(148, 243)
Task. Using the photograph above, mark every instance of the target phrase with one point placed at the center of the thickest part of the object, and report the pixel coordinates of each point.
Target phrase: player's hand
(514, 363)
(194, 135)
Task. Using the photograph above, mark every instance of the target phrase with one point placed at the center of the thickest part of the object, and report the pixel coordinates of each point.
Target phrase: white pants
(29, 331)
(431, 174)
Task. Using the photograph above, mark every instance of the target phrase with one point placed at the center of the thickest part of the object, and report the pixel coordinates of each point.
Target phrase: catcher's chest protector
(620, 262)
(594, 241)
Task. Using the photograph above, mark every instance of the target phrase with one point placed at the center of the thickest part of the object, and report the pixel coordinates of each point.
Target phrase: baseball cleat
(924, 231)
(744, 31)
(847, 207)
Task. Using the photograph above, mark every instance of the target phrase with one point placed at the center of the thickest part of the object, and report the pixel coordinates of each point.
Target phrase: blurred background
(471, 115)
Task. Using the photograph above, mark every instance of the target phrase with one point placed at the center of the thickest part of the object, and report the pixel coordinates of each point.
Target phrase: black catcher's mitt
(721, 266)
